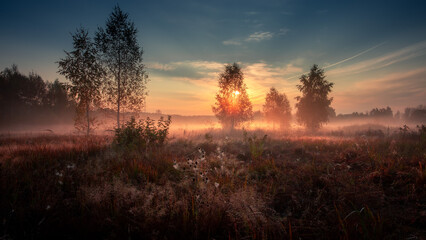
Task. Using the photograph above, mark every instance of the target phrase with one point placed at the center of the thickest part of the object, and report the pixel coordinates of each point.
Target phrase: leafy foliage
(277, 108)
(313, 105)
(122, 56)
(232, 105)
(142, 135)
(256, 145)
(83, 69)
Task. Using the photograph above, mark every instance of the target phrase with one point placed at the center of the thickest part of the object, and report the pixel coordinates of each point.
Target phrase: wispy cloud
(403, 54)
(256, 37)
(231, 42)
(159, 66)
(283, 31)
(395, 57)
(398, 90)
(259, 36)
(354, 56)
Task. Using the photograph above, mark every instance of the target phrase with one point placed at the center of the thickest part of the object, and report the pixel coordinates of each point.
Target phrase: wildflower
(60, 182)
(216, 184)
(47, 207)
(71, 166)
(175, 166)
(58, 174)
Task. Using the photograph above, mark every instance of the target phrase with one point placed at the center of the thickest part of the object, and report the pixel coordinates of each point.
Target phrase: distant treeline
(416, 114)
(31, 100)
(28, 99)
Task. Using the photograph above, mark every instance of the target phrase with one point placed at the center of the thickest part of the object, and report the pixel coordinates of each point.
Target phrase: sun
(236, 93)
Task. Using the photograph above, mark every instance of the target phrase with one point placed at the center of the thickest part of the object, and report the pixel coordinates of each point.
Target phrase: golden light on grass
(236, 93)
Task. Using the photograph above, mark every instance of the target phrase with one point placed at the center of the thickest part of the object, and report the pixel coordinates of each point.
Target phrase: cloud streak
(395, 89)
(386, 60)
(259, 36)
(231, 42)
(256, 37)
(354, 56)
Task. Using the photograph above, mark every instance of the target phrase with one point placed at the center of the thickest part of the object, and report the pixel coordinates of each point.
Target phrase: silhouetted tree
(417, 114)
(121, 54)
(381, 113)
(20, 95)
(313, 105)
(28, 99)
(232, 105)
(57, 97)
(277, 108)
(83, 69)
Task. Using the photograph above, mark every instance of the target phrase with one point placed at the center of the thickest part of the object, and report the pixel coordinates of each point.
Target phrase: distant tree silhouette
(381, 113)
(18, 91)
(122, 56)
(83, 69)
(57, 97)
(232, 105)
(313, 105)
(277, 108)
(29, 99)
(417, 114)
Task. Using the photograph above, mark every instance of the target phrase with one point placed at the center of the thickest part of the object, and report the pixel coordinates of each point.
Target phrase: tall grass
(214, 186)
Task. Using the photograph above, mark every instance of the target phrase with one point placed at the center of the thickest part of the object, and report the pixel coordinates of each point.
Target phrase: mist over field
(345, 125)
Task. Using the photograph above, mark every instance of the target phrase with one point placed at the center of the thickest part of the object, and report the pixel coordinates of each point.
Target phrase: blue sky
(374, 51)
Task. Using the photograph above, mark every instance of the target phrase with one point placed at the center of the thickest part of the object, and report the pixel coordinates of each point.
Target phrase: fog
(185, 126)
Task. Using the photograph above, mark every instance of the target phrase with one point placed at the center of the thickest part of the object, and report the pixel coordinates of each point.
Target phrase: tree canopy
(313, 105)
(277, 108)
(232, 105)
(122, 56)
(83, 69)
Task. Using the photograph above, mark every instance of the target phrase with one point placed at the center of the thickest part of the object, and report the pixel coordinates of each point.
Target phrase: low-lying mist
(185, 126)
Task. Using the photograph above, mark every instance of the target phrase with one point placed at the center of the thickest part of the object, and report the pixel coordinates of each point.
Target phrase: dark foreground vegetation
(213, 186)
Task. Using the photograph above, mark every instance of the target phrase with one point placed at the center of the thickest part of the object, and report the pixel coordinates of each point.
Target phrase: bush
(143, 135)
(256, 145)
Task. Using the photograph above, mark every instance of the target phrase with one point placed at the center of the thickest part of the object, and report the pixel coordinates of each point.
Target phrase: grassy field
(211, 185)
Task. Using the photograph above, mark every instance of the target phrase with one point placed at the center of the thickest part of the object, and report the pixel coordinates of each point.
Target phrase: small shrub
(143, 135)
(256, 145)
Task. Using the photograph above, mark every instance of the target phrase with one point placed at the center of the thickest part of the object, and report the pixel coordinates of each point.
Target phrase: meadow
(209, 184)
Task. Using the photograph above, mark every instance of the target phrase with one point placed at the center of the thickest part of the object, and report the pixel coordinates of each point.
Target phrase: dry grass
(215, 186)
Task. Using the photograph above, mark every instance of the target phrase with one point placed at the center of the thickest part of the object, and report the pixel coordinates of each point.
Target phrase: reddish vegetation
(210, 186)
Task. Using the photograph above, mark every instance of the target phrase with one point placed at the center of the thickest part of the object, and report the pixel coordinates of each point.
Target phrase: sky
(373, 51)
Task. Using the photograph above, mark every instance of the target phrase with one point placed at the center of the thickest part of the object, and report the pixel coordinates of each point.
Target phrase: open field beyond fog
(213, 185)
